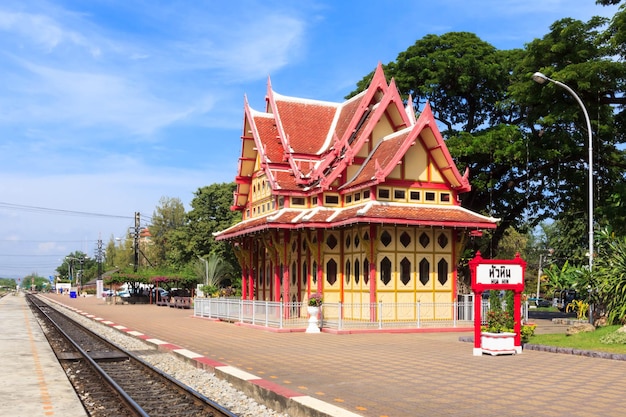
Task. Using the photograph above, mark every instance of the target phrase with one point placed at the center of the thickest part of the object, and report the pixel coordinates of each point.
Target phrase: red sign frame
(479, 287)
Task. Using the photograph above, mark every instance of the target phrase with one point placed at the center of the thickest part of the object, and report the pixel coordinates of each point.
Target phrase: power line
(37, 209)
(46, 241)
(35, 256)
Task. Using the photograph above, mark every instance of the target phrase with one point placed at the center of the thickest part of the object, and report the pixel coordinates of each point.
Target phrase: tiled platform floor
(396, 375)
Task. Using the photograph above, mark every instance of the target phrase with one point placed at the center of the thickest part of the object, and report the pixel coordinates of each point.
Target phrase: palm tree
(216, 270)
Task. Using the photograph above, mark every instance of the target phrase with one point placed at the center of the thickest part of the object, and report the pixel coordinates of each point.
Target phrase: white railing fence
(342, 316)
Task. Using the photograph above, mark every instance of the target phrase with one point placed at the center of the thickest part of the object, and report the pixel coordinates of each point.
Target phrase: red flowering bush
(498, 321)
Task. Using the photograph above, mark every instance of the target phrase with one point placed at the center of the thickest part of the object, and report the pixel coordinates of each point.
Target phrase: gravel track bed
(202, 381)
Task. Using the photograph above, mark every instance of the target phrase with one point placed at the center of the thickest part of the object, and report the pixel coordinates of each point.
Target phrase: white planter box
(499, 343)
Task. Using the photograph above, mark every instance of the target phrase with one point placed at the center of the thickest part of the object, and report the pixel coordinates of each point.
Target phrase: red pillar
(250, 284)
(244, 283)
(276, 281)
(320, 261)
(286, 267)
(517, 317)
(372, 273)
(286, 298)
(478, 309)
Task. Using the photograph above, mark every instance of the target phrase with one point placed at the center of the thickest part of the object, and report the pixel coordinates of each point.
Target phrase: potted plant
(498, 336)
(315, 300)
(313, 308)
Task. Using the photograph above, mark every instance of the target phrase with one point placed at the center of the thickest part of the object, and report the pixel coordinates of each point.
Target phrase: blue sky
(107, 106)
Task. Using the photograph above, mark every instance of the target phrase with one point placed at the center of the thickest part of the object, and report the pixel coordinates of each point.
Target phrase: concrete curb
(563, 350)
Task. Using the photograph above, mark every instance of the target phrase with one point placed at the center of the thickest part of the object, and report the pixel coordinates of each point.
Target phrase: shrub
(315, 300)
(616, 337)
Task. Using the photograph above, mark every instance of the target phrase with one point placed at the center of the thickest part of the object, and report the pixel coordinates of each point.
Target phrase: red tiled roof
(346, 115)
(370, 212)
(266, 127)
(305, 123)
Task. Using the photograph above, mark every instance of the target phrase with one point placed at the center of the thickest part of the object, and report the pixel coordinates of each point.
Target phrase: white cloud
(43, 31)
(82, 99)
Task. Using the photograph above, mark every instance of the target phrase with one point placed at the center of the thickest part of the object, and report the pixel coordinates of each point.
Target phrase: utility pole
(135, 233)
(99, 256)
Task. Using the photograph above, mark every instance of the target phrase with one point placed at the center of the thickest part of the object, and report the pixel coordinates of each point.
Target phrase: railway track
(112, 381)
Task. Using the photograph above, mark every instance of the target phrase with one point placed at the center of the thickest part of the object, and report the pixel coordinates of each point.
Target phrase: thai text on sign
(499, 274)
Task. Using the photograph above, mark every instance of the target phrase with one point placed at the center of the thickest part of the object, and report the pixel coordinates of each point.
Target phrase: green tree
(577, 54)
(119, 253)
(81, 267)
(525, 144)
(459, 74)
(168, 217)
(564, 277)
(34, 280)
(8, 283)
(210, 212)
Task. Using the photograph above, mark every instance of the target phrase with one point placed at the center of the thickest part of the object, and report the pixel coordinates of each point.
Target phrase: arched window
(385, 270)
(331, 272)
(294, 274)
(405, 271)
(442, 271)
(424, 271)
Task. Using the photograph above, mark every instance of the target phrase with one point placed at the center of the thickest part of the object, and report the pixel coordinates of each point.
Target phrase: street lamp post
(79, 278)
(540, 272)
(206, 269)
(542, 79)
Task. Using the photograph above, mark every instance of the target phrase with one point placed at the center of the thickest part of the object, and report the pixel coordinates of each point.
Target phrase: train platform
(32, 382)
(375, 374)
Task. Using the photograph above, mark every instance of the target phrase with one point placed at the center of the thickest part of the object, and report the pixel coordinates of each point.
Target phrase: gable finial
(409, 109)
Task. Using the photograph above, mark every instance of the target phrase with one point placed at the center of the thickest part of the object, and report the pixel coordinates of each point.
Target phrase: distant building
(356, 200)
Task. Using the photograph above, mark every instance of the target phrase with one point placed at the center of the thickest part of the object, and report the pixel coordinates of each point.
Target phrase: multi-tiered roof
(302, 151)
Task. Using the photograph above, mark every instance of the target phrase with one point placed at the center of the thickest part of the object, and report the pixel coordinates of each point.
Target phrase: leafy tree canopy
(526, 144)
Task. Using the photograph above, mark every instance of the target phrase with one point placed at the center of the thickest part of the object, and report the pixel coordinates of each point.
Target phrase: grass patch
(584, 341)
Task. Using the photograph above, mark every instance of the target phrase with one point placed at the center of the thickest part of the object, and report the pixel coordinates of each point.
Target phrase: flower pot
(499, 343)
(313, 319)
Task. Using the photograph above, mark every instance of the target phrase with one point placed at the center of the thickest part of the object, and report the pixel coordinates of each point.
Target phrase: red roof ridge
(409, 109)
(292, 99)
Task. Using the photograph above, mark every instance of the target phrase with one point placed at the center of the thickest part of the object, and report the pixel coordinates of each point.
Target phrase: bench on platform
(180, 302)
(163, 301)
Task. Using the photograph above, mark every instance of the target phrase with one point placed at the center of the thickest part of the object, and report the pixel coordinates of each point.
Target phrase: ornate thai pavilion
(355, 200)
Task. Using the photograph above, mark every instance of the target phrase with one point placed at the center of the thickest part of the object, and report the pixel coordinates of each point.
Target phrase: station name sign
(494, 274)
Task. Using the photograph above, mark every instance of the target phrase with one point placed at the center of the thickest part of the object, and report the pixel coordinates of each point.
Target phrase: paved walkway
(32, 382)
(395, 375)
